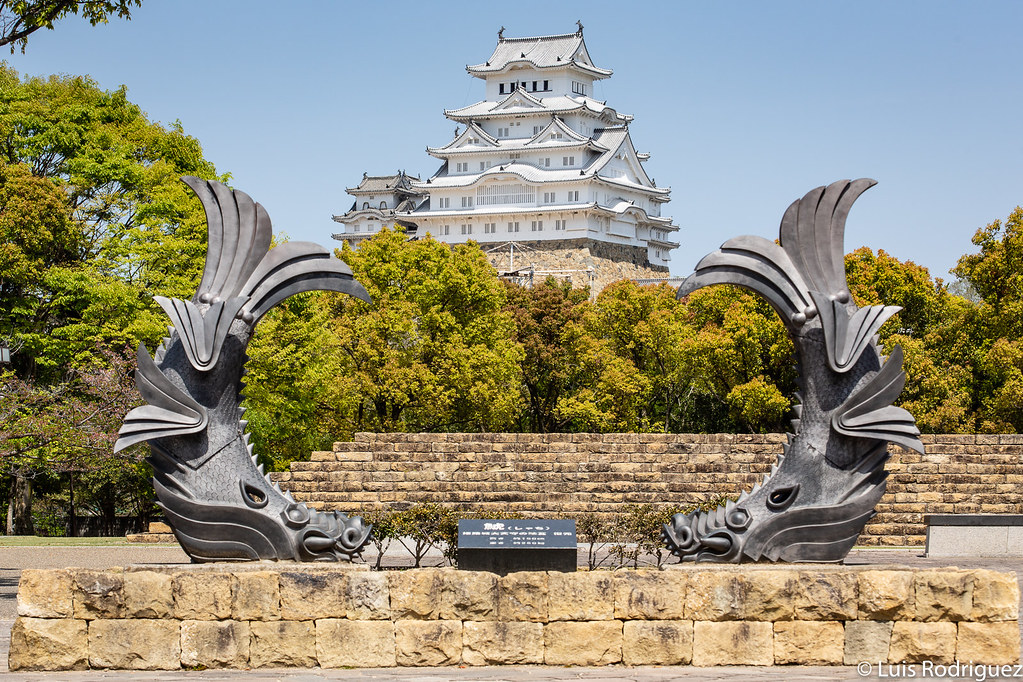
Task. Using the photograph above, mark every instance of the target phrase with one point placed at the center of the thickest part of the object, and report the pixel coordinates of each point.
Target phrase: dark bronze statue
(217, 500)
(823, 489)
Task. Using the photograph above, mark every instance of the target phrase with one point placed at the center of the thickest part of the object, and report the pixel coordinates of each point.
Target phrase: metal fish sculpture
(822, 491)
(216, 498)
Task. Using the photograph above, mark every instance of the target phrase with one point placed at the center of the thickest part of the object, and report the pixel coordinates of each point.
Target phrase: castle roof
(383, 184)
(521, 102)
(540, 52)
(556, 135)
(614, 141)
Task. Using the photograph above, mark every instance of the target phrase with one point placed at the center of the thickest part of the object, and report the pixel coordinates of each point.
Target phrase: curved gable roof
(540, 52)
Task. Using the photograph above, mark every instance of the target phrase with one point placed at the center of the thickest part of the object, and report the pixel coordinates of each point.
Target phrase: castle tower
(544, 177)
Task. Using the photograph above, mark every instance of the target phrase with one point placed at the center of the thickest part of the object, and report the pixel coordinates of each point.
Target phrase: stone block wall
(265, 615)
(572, 257)
(566, 474)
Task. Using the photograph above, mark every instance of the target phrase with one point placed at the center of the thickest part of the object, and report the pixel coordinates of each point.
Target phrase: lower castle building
(544, 177)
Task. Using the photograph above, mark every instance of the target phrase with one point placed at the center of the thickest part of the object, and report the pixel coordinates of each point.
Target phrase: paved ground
(14, 559)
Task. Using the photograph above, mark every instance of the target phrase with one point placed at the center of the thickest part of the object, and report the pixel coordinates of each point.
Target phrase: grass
(34, 541)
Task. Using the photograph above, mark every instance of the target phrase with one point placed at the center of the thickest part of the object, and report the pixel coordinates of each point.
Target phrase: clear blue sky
(743, 105)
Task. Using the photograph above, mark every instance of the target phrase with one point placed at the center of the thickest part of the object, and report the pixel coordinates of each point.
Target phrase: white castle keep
(538, 167)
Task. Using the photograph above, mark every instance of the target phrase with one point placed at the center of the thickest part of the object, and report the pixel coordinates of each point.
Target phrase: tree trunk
(73, 528)
(19, 509)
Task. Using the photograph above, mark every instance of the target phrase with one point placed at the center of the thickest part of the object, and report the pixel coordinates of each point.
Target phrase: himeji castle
(542, 175)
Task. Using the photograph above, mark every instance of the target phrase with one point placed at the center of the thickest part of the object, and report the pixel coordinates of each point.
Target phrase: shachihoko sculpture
(823, 489)
(217, 500)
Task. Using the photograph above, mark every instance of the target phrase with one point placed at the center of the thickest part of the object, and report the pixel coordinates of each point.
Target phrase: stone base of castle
(583, 262)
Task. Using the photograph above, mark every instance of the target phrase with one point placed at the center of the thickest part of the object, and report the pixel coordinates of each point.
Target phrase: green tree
(21, 18)
(62, 430)
(541, 315)
(95, 222)
(936, 331)
(96, 217)
(996, 323)
(299, 392)
(434, 351)
(736, 361)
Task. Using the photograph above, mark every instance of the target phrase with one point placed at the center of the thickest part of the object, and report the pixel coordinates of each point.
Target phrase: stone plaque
(508, 545)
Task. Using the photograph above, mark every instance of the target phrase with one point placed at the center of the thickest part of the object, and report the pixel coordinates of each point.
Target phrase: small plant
(385, 529)
(420, 527)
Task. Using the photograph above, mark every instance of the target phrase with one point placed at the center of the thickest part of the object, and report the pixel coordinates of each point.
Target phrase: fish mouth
(690, 538)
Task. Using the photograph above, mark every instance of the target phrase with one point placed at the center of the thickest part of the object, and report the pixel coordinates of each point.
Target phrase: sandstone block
(866, 640)
(830, 595)
(995, 596)
(585, 595)
(731, 595)
(992, 643)
(140, 644)
(45, 644)
(443, 594)
(282, 644)
(309, 595)
(148, 594)
(886, 595)
(649, 595)
(159, 527)
(428, 642)
(368, 598)
(99, 594)
(914, 642)
(809, 642)
(583, 642)
(496, 643)
(45, 594)
(943, 595)
(657, 642)
(202, 595)
(256, 595)
(740, 642)
(355, 644)
(214, 644)
(474, 596)
(523, 597)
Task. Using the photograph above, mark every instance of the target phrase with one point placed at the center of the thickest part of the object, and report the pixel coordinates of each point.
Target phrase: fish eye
(782, 497)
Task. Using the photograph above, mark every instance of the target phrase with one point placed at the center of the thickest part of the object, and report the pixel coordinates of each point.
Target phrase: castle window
(537, 226)
(578, 88)
(467, 229)
(365, 204)
(573, 196)
(534, 86)
(383, 204)
(545, 162)
(559, 224)
(490, 228)
(548, 197)
(466, 202)
(501, 89)
(567, 160)
(546, 86)
(513, 227)
(445, 229)
(491, 194)
(482, 167)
